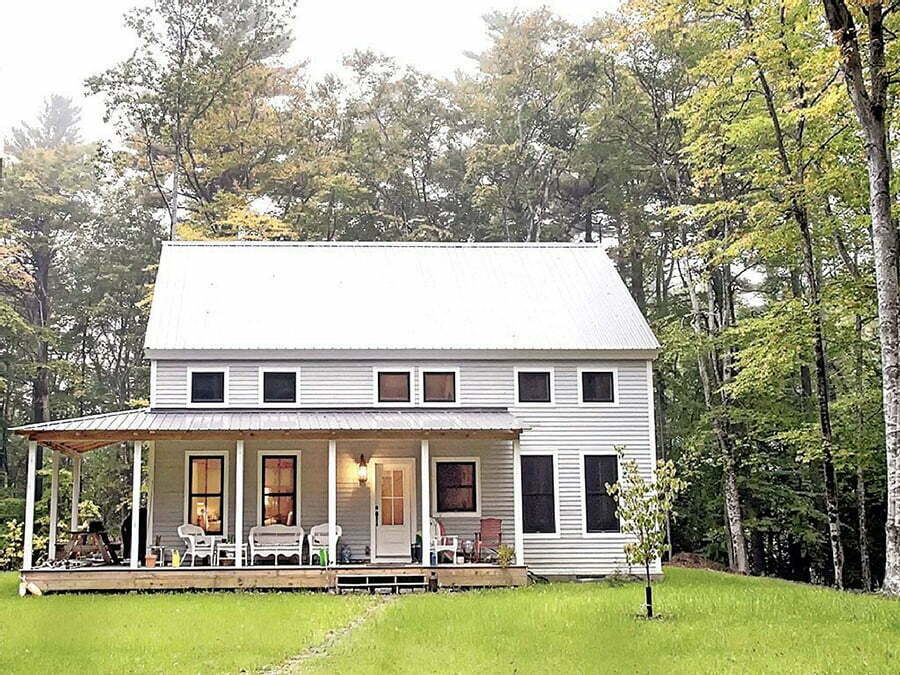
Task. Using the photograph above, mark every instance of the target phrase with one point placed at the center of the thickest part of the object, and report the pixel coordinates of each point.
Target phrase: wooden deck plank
(261, 578)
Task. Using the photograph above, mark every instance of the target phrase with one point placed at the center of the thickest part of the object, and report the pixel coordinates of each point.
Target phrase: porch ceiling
(82, 434)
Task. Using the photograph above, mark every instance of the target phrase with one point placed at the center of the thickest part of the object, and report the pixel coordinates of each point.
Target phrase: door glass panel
(387, 511)
(398, 511)
(387, 484)
(398, 483)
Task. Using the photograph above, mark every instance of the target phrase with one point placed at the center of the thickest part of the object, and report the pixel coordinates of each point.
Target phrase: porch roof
(80, 434)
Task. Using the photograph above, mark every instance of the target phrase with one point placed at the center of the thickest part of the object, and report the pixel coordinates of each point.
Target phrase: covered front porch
(335, 499)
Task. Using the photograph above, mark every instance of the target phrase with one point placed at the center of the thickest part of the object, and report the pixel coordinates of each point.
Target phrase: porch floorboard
(111, 578)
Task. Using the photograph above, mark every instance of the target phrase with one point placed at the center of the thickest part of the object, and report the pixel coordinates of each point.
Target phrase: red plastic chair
(489, 538)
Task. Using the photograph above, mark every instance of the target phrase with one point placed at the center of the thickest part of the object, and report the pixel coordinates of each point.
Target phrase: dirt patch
(295, 663)
(696, 561)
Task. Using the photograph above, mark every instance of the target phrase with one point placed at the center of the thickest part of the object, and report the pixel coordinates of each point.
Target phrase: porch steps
(381, 582)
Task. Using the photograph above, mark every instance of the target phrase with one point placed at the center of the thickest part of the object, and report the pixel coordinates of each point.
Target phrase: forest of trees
(722, 151)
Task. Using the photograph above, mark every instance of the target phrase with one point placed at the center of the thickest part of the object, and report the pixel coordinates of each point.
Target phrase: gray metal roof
(147, 420)
(365, 296)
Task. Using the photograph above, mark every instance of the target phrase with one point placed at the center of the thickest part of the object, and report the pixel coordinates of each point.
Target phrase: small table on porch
(86, 543)
(228, 548)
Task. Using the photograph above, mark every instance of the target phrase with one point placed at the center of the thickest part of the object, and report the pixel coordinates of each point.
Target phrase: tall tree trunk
(862, 521)
(870, 105)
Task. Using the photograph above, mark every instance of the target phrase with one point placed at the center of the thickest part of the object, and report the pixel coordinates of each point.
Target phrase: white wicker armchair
(197, 542)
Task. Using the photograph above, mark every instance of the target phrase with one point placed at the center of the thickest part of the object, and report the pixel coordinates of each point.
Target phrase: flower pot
(150, 560)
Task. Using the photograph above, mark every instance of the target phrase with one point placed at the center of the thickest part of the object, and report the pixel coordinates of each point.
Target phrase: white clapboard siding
(565, 428)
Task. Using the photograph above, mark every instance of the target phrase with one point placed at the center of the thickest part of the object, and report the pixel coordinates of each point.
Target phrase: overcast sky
(51, 46)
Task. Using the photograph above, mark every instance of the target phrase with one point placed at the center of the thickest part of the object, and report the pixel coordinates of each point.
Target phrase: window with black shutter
(600, 507)
(538, 494)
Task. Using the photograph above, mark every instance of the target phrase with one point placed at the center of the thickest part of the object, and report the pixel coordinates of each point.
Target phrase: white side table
(228, 549)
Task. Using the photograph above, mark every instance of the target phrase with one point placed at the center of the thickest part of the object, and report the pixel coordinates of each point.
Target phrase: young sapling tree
(643, 506)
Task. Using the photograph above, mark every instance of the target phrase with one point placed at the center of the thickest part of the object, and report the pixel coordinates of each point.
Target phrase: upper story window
(534, 386)
(279, 386)
(394, 386)
(207, 386)
(439, 386)
(597, 386)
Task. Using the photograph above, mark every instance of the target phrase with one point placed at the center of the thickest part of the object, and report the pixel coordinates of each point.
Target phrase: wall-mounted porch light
(362, 470)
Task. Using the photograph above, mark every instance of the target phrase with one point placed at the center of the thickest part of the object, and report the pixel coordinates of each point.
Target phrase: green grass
(172, 632)
(712, 623)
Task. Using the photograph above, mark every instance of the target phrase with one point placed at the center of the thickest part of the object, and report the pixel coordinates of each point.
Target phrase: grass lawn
(712, 623)
(172, 632)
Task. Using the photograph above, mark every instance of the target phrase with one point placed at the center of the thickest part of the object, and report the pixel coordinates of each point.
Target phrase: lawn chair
(197, 542)
(441, 543)
(488, 539)
(318, 540)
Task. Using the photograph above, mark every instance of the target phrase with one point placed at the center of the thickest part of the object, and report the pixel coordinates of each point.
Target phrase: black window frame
(211, 371)
(598, 493)
(221, 494)
(451, 373)
(262, 487)
(266, 400)
(408, 376)
(548, 373)
(583, 389)
(437, 486)
(526, 494)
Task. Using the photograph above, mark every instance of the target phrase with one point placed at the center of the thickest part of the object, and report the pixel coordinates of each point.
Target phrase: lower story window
(206, 484)
(279, 493)
(600, 507)
(455, 486)
(538, 494)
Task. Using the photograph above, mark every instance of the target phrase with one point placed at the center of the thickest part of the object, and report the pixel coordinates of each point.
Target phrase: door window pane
(597, 387)
(279, 387)
(393, 387)
(534, 387)
(439, 387)
(208, 387)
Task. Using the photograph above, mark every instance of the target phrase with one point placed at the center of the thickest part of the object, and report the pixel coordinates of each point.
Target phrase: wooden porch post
(239, 504)
(151, 478)
(426, 502)
(332, 501)
(135, 505)
(28, 552)
(54, 505)
(519, 539)
(76, 492)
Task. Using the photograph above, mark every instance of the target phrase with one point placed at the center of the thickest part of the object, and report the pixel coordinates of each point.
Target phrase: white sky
(51, 46)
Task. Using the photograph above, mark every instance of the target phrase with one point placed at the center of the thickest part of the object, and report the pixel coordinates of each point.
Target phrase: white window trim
(208, 369)
(615, 385)
(546, 535)
(226, 486)
(394, 404)
(547, 369)
(581, 460)
(261, 388)
(259, 481)
(439, 404)
(434, 501)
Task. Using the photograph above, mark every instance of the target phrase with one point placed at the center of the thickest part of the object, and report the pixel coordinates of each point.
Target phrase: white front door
(393, 505)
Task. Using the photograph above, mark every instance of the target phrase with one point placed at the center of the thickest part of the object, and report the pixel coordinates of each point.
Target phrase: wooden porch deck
(341, 577)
